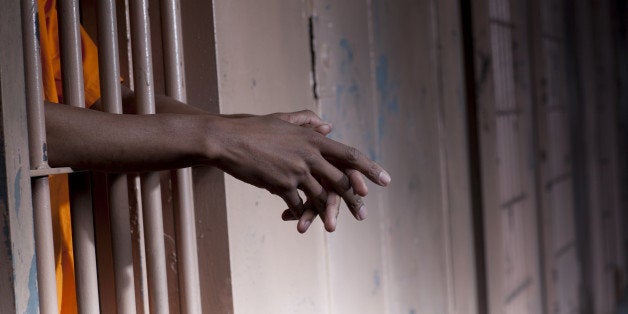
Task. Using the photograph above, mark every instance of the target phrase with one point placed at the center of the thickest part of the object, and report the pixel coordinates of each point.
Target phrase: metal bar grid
(189, 285)
(80, 194)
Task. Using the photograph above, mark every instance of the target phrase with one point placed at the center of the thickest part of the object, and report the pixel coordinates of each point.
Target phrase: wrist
(210, 138)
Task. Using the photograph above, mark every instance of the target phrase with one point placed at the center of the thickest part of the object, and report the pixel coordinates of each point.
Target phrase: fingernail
(384, 178)
(362, 213)
(306, 225)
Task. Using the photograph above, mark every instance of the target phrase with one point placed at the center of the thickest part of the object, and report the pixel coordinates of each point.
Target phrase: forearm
(88, 139)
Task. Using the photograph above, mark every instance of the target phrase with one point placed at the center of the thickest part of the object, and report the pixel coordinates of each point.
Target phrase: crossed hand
(286, 152)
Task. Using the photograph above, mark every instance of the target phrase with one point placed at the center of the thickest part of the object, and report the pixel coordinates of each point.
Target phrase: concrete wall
(381, 80)
(510, 110)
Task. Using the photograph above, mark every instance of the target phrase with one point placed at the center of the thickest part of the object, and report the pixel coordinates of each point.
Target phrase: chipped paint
(376, 281)
(348, 55)
(17, 190)
(386, 87)
(33, 295)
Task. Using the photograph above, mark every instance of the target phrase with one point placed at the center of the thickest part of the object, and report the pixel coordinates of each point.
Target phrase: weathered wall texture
(263, 63)
(381, 80)
(502, 149)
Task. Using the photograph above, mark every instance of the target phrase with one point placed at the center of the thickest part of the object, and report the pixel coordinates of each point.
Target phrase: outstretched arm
(265, 151)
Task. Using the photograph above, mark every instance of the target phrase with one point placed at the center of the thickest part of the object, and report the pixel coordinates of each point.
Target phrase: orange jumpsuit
(51, 70)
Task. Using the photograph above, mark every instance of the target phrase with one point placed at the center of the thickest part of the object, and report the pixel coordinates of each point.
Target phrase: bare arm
(272, 152)
(89, 139)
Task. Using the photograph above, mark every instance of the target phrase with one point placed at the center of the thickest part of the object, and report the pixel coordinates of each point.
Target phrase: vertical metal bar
(84, 243)
(133, 179)
(44, 245)
(186, 223)
(151, 186)
(34, 86)
(111, 98)
(122, 246)
(139, 243)
(80, 195)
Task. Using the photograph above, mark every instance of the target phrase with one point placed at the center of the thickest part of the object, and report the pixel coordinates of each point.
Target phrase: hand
(309, 119)
(281, 157)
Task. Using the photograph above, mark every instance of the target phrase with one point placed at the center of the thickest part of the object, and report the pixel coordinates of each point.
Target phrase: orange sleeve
(50, 55)
(90, 69)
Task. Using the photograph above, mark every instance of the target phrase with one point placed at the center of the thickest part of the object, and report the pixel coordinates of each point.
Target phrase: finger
(288, 216)
(316, 194)
(306, 220)
(337, 181)
(350, 157)
(332, 209)
(322, 129)
(294, 202)
(307, 118)
(357, 182)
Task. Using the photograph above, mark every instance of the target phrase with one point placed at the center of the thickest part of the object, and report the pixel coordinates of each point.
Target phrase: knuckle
(301, 170)
(353, 154)
(344, 184)
(355, 203)
(284, 187)
(373, 171)
(315, 138)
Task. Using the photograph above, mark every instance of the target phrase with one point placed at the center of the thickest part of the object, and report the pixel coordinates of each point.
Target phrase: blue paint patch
(385, 86)
(412, 311)
(381, 126)
(344, 43)
(33, 295)
(340, 89)
(347, 60)
(376, 281)
(17, 191)
(381, 72)
(388, 100)
(354, 89)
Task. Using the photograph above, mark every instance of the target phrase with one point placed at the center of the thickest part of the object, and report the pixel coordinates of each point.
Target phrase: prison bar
(111, 98)
(189, 285)
(151, 185)
(79, 183)
(44, 246)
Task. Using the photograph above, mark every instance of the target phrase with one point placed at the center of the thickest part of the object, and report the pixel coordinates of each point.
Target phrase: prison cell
(80, 187)
(488, 217)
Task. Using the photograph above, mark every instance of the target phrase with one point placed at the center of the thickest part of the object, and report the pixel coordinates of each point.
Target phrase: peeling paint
(347, 60)
(45, 152)
(17, 191)
(376, 281)
(385, 86)
(33, 295)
